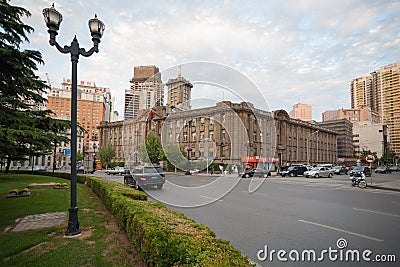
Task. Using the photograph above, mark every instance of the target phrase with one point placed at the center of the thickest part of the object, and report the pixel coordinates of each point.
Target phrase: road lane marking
(378, 212)
(341, 230)
(215, 199)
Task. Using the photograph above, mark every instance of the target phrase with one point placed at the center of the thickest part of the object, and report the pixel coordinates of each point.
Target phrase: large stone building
(381, 92)
(229, 133)
(179, 93)
(145, 92)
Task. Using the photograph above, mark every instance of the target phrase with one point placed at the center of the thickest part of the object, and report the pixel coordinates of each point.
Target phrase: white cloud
(305, 51)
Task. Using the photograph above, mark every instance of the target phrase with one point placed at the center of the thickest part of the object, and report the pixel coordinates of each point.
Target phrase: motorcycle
(358, 178)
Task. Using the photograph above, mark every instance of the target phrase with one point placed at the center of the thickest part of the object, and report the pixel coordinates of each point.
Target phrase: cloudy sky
(293, 51)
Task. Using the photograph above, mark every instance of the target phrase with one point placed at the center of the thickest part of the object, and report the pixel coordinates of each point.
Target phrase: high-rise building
(94, 106)
(146, 91)
(381, 92)
(361, 92)
(301, 112)
(179, 93)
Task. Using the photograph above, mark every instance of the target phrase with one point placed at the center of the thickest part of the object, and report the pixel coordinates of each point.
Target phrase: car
(394, 168)
(116, 171)
(294, 171)
(340, 170)
(319, 172)
(383, 169)
(256, 172)
(145, 176)
(365, 169)
(36, 168)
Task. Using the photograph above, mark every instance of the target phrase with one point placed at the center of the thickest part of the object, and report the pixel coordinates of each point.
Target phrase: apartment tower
(381, 92)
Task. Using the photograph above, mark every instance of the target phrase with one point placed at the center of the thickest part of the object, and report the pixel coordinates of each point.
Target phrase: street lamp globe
(96, 27)
(53, 20)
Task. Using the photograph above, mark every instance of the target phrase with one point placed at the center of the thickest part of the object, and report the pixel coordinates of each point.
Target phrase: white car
(319, 172)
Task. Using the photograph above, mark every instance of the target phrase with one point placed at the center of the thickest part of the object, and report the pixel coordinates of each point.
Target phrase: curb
(384, 188)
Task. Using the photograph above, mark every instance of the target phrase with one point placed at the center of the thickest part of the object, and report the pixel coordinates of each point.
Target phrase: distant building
(372, 137)
(363, 114)
(301, 112)
(94, 106)
(145, 92)
(344, 128)
(380, 92)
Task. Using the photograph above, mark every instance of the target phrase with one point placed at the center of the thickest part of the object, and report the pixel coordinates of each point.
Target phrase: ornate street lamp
(53, 20)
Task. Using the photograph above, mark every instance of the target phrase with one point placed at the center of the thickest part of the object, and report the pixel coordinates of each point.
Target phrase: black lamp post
(53, 20)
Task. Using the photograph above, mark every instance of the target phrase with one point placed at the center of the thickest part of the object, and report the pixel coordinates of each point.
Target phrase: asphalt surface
(292, 215)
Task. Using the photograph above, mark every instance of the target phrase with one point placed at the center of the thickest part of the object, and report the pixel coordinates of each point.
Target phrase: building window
(185, 137)
(223, 134)
(223, 117)
(222, 151)
(211, 120)
(254, 136)
(202, 121)
(194, 136)
(201, 136)
(211, 133)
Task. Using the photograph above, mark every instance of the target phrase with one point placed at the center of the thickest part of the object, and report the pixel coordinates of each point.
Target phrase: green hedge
(163, 237)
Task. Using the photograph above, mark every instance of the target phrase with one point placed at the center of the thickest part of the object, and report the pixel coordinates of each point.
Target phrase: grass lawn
(101, 243)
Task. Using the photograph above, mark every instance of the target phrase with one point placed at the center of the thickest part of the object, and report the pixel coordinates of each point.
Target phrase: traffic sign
(370, 158)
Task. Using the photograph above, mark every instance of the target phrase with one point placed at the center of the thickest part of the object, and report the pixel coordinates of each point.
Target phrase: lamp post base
(73, 224)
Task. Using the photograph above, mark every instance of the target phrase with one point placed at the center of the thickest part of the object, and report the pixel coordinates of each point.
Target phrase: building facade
(303, 142)
(179, 93)
(228, 133)
(370, 136)
(301, 112)
(381, 92)
(363, 114)
(344, 128)
(145, 92)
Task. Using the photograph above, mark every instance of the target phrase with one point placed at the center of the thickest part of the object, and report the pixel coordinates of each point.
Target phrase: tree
(151, 151)
(175, 155)
(24, 131)
(106, 154)
(387, 157)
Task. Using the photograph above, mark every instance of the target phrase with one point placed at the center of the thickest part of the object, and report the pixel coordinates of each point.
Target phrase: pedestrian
(212, 170)
(221, 169)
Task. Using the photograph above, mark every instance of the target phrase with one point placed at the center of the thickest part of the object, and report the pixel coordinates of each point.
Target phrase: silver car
(319, 172)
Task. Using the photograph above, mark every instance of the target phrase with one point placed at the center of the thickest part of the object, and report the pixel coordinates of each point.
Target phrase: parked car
(36, 168)
(383, 169)
(365, 169)
(340, 170)
(144, 176)
(116, 171)
(394, 168)
(256, 172)
(294, 171)
(319, 172)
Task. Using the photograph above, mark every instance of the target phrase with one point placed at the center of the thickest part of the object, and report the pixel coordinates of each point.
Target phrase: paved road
(295, 214)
